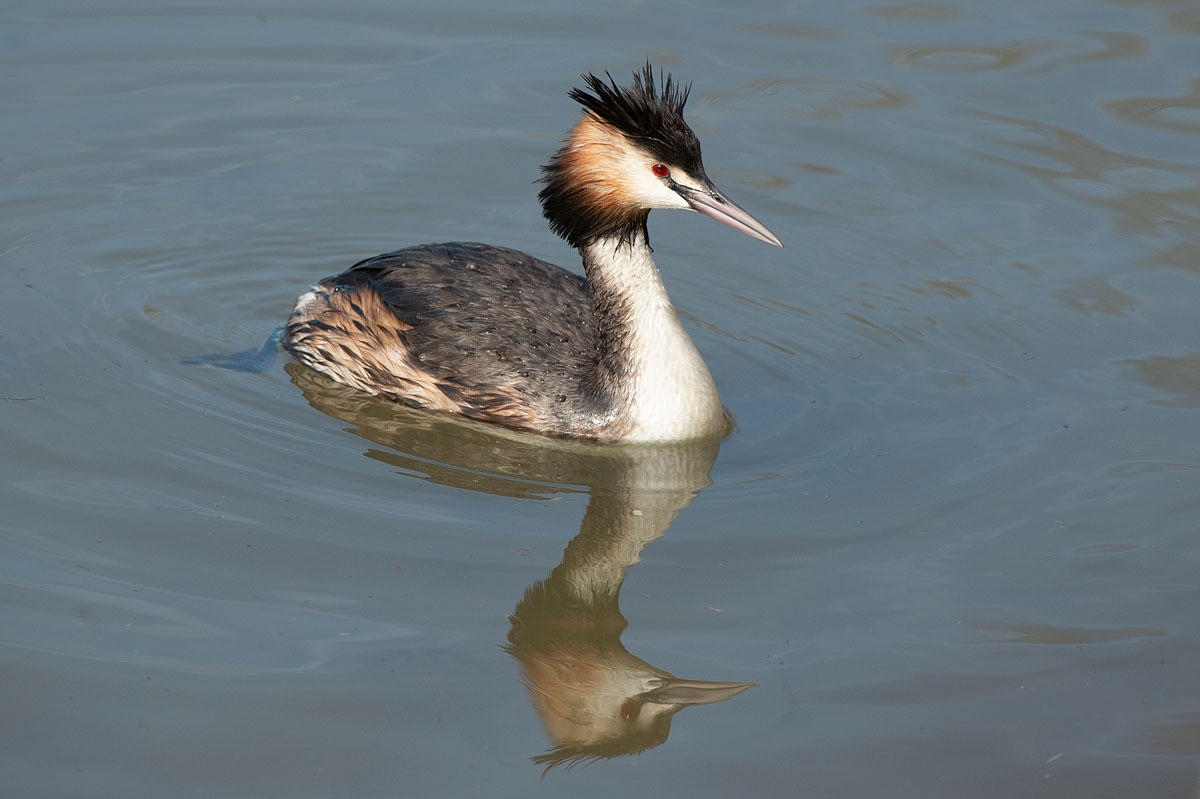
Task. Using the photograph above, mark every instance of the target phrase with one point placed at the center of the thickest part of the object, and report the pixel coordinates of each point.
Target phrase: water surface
(952, 541)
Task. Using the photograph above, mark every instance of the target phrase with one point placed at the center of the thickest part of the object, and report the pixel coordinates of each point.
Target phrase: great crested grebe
(499, 336)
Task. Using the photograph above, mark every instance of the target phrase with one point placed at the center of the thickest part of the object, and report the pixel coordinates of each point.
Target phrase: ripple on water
(1177, 377)
(1142, 193)
(94, 617)
(1185, 257)
(1096, 295)
(1187, 21)
(816, 97)
(1180, 113)
(793, 31)
(1115, 46)
(1176, 734)
(923, 12)
(1020, 633)
(960, 59)
(929, 383)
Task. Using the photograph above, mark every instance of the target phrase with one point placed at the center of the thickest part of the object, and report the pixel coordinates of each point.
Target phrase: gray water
(953, 541)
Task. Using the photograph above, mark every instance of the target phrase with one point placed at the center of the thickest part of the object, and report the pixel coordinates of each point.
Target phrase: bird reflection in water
(594, 698)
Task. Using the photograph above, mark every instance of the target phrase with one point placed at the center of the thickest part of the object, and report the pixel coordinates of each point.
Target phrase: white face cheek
(652, 190)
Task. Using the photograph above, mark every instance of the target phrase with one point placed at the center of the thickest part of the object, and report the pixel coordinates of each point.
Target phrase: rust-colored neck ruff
(588, 194)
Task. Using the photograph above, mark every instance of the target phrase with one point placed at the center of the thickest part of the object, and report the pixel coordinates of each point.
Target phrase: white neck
(663, 389)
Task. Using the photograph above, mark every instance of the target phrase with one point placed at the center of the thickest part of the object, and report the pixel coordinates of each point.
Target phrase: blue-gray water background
(955, 539)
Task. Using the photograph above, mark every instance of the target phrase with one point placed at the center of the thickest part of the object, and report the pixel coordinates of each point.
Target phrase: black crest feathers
(650, 114)
(580, 200)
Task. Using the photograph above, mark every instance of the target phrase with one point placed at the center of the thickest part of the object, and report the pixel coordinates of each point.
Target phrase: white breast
(670, 394)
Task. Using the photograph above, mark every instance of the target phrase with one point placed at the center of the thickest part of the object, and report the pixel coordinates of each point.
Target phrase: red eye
(660, 170)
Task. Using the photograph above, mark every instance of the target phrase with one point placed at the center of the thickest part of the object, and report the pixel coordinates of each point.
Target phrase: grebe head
(632, 151)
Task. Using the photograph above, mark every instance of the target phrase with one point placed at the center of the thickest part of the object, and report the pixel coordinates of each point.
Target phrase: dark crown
(650, 116)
